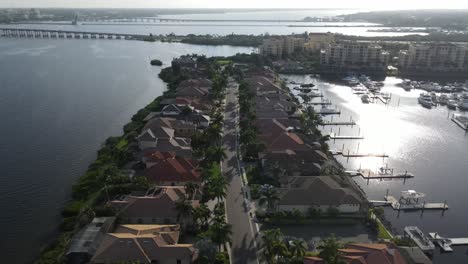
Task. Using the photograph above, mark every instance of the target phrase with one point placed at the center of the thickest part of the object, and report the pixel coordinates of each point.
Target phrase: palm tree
(217, 187)
(215, 154)
(273, 247)
(184, 209)
(202, 215)
(330, 251)
(219, 213)
(297, 249)
(190, 189)
(268, 197)
(220, 233)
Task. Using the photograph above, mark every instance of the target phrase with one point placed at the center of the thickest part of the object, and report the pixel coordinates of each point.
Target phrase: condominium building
(318, 41)
(354, 56)
(281, 46)
(434, 57)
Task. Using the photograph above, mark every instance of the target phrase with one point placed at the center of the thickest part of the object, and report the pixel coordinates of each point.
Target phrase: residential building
(180, 128)
(144, 244)
(194, 88)
(320, 193)
(84, 244)
(163, 139)
(157, 207)
(281, 46)
(350, 55)
(166, 169)
(434, 57)
(318, 41)
(366, 254)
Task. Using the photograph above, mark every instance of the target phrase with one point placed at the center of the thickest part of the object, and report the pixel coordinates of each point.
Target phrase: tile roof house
(165, 168)
(156, 208)
(194, 88)
(162, 138)
(319, 192)
(173, 110)
(144, 244)
(366, 254)
(181, 128)
(261, 85)
(296, 163)
(200, 104)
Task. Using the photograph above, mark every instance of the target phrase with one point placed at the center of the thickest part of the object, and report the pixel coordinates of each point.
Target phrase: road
(243, 246)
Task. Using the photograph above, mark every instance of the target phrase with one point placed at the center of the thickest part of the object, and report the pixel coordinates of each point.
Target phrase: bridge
(66, 34)
(156, 19)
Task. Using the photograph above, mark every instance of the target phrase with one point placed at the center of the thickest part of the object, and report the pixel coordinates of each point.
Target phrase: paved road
(243, 247)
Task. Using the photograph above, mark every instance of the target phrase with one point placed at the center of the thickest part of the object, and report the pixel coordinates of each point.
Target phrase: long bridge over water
(67, 34)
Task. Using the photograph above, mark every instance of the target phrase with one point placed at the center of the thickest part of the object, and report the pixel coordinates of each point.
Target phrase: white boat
(407, 85)
(442, 99)
(425, 100)
(365, 98)
(463, 103)
(452, 104)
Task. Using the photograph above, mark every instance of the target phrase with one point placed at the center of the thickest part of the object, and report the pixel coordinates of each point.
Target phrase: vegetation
(329, 251)
(156, 62)
(232, 40)
(276, 248)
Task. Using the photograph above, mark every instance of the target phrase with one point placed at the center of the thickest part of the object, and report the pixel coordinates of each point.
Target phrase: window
(179, 261)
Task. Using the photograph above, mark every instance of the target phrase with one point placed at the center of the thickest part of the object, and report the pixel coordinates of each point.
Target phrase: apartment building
(318, 41)
(350, 55)
(434, 57)
(281, 46)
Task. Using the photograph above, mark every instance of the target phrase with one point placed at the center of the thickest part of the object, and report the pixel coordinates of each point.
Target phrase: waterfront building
(320, 193)
(318, 41)
(157, 207)
(144, 244)
(433, 57)
(354, 56)
(281, 46)
(366, 254)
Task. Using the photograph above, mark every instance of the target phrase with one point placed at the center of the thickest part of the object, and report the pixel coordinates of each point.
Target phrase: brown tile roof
(317, 190)
(157, 243)
(160, 205)
(170, 168)
(366, 254)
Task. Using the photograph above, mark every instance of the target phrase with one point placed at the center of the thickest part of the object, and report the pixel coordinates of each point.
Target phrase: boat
(365, 98)
(442, 99)
(307, 85)
(425, 100)
(407, 85)
(452, 104)
(463, 103)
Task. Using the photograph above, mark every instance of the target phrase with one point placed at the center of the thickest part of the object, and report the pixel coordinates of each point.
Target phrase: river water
(59, 101)
(420, 140)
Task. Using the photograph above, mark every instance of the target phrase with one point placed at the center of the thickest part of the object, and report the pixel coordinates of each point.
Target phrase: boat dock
(335, 136)
(423, 242)
(447, 243)
(338, 123)
(320, 103)
(461, 121)
(369, 174)
(397, 205)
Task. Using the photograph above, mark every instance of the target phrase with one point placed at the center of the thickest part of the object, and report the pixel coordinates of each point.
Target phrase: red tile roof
(169, 168)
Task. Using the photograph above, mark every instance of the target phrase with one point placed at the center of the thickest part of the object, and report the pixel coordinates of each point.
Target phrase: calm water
(59, 101)
(423, 141)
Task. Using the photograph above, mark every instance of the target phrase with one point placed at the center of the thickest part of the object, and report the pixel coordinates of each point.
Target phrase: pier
(66, 34)
(369, 174)
(461, 121)
(414, 206)
(320, 103)
(447, 243)
(335, 136)
(338, 123)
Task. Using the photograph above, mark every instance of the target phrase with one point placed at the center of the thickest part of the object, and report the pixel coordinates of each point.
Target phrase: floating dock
(447, 243)
(423, 242)
(320, 103)
(342, 123)
(461, 121)
(335, 136)
(329, 112)
(369, 174)
(396, 205)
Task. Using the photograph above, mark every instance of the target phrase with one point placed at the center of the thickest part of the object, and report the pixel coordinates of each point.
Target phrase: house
(194, 88)
(171, 110)
(165, 168)
(320, 193)
(264, 103)
(296, 163)
(260, 85)
(184, 62)
(161, 138)
(181, 128)
(366, 254)
(84, 244)
(202, 104)
(144, 244)
(157, 207)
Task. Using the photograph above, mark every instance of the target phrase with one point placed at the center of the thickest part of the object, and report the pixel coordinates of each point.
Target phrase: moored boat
(425, 100)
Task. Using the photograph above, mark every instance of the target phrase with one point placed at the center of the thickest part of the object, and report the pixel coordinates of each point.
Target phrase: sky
(359, 4)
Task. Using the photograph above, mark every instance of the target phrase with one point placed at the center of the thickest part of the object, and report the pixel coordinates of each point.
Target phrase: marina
(409, 201)
(446, 243)
(381, 174)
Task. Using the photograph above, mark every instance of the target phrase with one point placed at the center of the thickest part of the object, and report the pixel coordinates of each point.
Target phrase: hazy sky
(366, 4)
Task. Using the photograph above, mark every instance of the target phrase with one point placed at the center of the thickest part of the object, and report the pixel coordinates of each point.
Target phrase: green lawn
(122, 144)
(383, 233)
